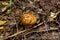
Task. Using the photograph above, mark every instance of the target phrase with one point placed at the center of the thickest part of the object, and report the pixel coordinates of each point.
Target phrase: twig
(20, 32)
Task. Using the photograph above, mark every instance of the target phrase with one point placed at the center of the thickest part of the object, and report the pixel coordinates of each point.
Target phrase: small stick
(20, 32)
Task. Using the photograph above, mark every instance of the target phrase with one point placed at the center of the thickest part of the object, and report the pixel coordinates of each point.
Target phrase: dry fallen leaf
(2, 22)
(1, 27)
(5, 3)
(3, 9)
(53, 15)
(1, 37)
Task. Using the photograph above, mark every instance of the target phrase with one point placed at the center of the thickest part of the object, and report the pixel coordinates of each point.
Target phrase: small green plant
(9, 10)
(10, 3)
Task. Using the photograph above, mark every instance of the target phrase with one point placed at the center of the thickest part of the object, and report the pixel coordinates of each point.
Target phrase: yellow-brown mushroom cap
(28, 19)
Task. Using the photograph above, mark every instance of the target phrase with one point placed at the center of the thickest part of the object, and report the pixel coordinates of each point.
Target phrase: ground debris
(46, 26)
